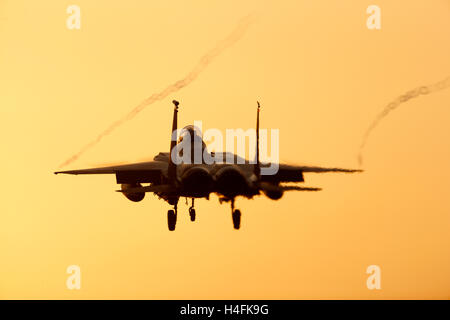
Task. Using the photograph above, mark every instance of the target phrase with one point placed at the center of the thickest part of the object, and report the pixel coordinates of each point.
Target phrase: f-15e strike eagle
(171, 180)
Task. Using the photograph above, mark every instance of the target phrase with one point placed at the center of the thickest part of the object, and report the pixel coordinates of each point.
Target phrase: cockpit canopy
(194, 135)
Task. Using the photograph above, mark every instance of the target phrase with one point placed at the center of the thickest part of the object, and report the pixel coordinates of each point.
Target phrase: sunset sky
(321, 76)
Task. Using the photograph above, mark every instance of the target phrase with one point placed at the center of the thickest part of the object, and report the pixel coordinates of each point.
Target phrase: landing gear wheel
(192, 214)
(236, 215)
(171, 219)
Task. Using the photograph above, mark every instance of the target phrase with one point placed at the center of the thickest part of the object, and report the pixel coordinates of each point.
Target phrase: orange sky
(321, 77)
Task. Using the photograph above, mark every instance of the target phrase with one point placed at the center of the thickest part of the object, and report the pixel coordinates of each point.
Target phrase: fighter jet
(171, 177)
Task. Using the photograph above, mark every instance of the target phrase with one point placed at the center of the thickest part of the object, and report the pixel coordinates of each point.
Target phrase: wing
(324, 169)
(293, 173)
(151, 171)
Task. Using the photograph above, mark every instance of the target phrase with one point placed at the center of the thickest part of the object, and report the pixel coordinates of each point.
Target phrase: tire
(192, 214)
(171, 219)
(236, 219)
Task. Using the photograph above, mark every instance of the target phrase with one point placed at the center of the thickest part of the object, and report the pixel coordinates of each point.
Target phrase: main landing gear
(172, 214)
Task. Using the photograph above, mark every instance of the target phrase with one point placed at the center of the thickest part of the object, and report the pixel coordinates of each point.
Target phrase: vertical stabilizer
(257, 168)
(172, 169)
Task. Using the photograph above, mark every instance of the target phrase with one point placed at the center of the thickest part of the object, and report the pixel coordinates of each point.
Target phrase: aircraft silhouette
(171, 180)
